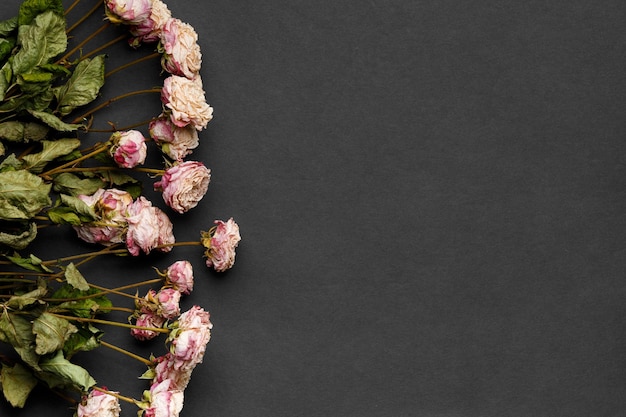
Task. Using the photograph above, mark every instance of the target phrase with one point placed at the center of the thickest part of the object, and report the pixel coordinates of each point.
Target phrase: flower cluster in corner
(52, 175)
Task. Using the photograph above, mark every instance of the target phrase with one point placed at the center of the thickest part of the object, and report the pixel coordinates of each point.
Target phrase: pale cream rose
(182, 54)
(186, 102)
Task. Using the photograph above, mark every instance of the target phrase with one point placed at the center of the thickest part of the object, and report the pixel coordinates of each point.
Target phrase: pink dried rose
(128, 148)
(99, 404)
(181, 52)
(189, 336)
(180, 276)
(168, 303)
(169, 367)
(148, 227)
(110, 206)
(220, 243)
(148, 31)
(186, 102)
(176, 142)
(166, 231)
(147, 321)
(184, 185)
(164, 400)
(128, 12)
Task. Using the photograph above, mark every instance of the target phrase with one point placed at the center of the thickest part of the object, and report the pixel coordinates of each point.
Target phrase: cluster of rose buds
(159, 307)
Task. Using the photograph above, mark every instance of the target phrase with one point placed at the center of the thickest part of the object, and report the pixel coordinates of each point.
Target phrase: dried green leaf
(44, 38)
(29, 9)
(53, 121)
(67, 373)
(85, 307)
(71, 184)
(83, 86)
(36, 162)
(75, 278)
(19, 302)
(6, 46)
(85, 339)
(17, 331)
(17, 383)
(8, 27)
(16, 131)
(51, 333)
(22, 195)
(10, 163)
(6, 74)
(32, 263)
(21, 237)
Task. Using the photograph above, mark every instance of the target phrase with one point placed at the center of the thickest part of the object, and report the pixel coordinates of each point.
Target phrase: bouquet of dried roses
(53, 175)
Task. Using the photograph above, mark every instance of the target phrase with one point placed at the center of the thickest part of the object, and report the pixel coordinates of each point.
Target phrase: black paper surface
(431, 197)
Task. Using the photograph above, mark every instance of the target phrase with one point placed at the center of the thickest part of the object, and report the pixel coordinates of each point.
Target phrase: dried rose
(164, 399)
(169, 367)
(184, 185)
(148, 227)
(186, 102)
(99, 404)
(128, 148)
(149, 30)
(168, 303)
(110, 205)
(166, 231)
(220, 243)
(176, 142)
(147, 320)
(180, 276)
(190, 335)
(128, 12)
(181, 52)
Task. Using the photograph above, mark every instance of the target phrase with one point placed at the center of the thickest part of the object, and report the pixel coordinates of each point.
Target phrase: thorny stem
(113, 100)
(125, 352)
(85, 17)
(131, 63)
(84, 42)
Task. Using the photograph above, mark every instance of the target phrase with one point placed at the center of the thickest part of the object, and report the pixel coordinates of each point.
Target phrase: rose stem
(116, 395)
(125, 352)
(104, 291)
(84, 41)
(85, 255)
(114, 99)
(69, 9)
(118, 291)
(145, 122)
(106, 45)
(74, 161)
(136, 61)
(85, 17)
(111, 323)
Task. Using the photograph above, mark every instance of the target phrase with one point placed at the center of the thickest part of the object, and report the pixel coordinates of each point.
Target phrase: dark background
(431, 196)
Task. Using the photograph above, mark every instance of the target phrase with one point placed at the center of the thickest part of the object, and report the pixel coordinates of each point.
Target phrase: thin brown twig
(84, 42)
(85, 17)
